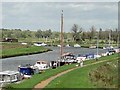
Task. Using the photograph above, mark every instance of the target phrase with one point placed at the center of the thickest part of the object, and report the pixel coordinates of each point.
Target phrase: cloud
(60, 0)
(39, 15)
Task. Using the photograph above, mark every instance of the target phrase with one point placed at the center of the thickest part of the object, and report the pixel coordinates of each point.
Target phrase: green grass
(15, 49)
(37, 78)
(79, 78)
(115, 56)
(105, 76)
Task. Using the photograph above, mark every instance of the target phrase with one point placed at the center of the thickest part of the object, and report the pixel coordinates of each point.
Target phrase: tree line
(76, 34)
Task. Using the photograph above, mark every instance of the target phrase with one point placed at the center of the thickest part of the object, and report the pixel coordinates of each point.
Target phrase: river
(13, 62)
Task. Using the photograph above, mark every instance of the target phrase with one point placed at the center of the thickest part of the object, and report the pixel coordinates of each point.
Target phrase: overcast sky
(39, 15)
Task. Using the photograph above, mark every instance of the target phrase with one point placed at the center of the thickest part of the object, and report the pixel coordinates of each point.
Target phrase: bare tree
(76, 32)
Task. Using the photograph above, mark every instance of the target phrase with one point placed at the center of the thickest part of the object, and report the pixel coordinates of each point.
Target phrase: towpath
(44, 83)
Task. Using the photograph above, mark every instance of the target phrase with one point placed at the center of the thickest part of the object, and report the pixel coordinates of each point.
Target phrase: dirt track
(47, 81)
(44, 83)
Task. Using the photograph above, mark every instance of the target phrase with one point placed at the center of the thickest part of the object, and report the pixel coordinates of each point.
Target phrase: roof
(42, 61)
(9, 72)
(65, 54)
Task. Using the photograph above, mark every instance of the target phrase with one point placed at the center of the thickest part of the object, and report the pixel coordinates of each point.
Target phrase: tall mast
(61, 34)
(109, 38)
(97, 43)
(118, 41)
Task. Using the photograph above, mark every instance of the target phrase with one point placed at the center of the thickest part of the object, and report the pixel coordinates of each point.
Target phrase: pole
(61, 35)
(97, 43)
(109, 38)
(118, 41)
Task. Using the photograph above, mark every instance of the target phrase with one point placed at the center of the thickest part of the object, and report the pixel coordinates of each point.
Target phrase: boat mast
(109, 38)
(97, 43)
(118, 41)
(61, 34)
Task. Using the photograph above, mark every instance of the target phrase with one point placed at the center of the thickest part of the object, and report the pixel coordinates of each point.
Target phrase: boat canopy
(9, 73)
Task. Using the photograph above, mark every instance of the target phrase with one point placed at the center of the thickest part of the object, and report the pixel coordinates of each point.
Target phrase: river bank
(15, 49)
(51, 72)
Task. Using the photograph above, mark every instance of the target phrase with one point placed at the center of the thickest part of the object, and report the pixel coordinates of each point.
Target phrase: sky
(46, 15)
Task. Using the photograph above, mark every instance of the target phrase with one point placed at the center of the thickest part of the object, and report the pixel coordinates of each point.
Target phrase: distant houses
(8, 40)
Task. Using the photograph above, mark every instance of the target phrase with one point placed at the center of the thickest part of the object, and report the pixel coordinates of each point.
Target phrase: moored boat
(9, 76)
(27, 70)
(77, 45)
(41, 65)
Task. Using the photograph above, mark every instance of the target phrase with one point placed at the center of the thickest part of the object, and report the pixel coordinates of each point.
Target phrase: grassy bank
(16, 49)
(76, 74)
(101, 75)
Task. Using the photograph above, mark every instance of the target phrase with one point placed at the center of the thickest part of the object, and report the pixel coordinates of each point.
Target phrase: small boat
(97, 56)
(9, 76)
(68, 58)
(117, 50)
(27, 70)
(67, 45)
(58, 45)
(41, 65)
(77, 45)
(40, 44)
(89, 56)
(54, 64)
(81, 57)
(92, 47)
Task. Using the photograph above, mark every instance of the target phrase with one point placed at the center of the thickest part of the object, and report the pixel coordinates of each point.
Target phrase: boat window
(1, 77)
(43, 62)
(13, 77)
(6, 77)
(38, 62)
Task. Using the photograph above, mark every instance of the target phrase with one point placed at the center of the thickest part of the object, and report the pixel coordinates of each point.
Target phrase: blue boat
(27, 71)
(90, 56)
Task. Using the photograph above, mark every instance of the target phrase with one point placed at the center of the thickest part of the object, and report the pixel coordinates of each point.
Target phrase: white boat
(92, 47)
(40, 44)
(77, 45)
(104, 54)
(67, 45)
(9, 76)
(97, 56)
(41, 65)
(68, 58)
(59, 45)
(81, 57)
(24, 43)
(117, 50)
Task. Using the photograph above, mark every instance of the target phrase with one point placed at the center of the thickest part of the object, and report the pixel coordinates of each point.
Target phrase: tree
(76, 32)
(39, 34)
(93, 32)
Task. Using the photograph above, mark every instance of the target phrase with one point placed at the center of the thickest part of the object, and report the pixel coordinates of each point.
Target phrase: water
(13, 62)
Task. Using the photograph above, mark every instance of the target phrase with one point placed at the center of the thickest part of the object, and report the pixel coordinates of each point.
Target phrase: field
(17, 49)
(102, 75)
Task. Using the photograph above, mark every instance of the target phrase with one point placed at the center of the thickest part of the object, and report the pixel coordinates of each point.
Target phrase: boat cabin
(9, 76)
(41, 65)
(90, 56)
(81, 57)
(68, 58)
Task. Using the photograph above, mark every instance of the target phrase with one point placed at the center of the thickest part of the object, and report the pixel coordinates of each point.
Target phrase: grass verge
(81, 77)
